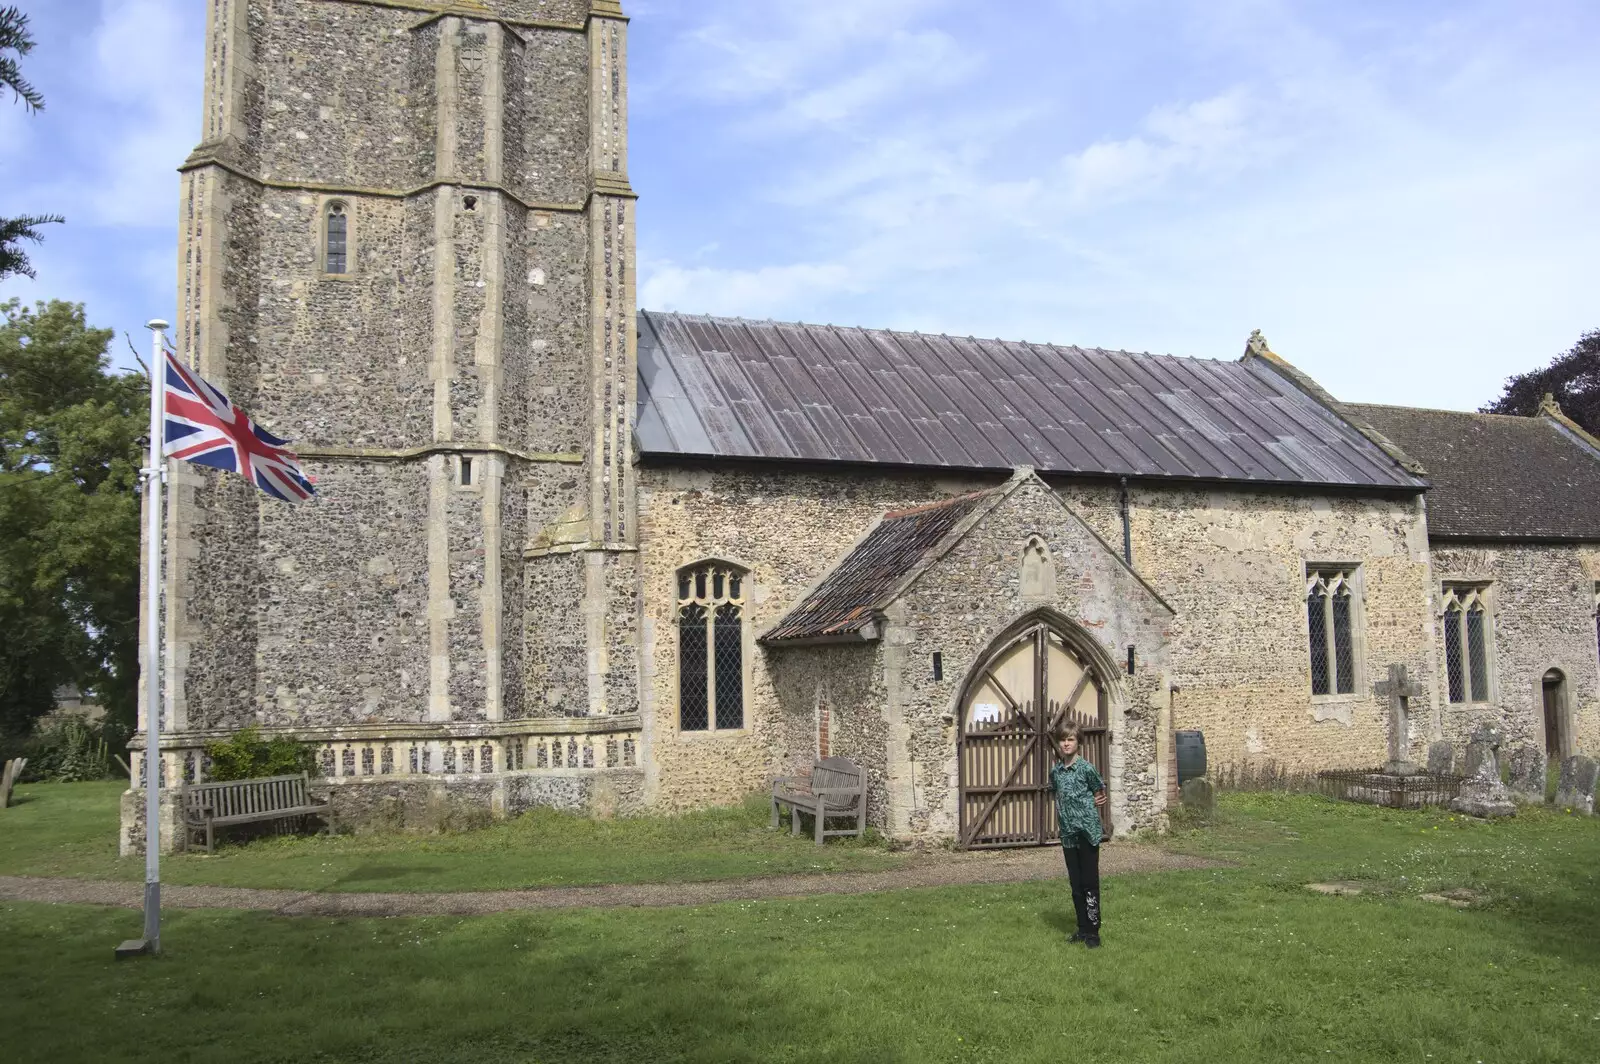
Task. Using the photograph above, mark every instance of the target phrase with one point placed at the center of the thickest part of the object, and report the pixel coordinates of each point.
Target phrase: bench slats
(843, 793)
(208, 805)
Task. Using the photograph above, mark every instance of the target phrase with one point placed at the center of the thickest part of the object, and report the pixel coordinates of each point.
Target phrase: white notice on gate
(985, 713)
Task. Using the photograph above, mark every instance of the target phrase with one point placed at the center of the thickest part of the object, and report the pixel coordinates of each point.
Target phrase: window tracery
(711, 614)
(1331, 610)
(1467, 639)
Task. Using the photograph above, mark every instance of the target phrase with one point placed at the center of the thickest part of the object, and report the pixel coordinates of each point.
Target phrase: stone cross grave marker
(1399, 690)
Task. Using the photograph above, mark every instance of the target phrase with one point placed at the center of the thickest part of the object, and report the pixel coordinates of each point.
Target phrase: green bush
(248, 756)
(70, 751)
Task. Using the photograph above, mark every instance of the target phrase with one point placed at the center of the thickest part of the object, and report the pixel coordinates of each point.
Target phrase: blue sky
(1401, 196)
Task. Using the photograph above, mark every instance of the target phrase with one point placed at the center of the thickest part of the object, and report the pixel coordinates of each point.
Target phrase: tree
(14, 37)
(70, 453)
(1573, 379)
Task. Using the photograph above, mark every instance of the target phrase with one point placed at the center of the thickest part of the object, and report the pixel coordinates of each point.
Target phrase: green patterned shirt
(1075, 786)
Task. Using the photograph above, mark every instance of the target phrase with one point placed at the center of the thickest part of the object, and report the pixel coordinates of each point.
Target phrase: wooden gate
(1004, 751)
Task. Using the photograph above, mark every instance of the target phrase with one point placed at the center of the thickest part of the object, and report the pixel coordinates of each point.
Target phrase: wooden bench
(208, 806)
(836, 788)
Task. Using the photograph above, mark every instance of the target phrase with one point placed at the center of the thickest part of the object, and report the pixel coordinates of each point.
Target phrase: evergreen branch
(12, 260)
(14, 37)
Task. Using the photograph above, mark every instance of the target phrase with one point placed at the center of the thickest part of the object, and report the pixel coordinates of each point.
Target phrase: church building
(572, 553)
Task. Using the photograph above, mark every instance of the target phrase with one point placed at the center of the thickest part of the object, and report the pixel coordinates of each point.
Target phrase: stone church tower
(407, 244)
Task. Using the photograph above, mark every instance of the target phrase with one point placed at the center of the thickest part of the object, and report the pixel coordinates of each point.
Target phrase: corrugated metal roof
(843, 603)
(732, 388)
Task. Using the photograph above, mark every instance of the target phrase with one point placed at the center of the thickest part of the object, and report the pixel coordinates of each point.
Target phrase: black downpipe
(1127, 530)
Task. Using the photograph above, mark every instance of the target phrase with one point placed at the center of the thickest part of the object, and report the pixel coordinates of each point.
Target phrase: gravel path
(1014, 866)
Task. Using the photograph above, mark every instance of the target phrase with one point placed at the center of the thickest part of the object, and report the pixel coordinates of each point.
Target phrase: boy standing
(1079, 793)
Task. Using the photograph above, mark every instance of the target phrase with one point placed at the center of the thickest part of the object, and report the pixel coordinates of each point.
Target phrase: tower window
(466, 470)
(336, 252)
(711, 648)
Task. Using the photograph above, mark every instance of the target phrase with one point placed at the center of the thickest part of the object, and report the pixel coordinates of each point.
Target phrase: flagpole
(155, 477)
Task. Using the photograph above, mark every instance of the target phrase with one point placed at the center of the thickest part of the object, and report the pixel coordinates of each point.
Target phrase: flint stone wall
(464, 802)
(1232, 564)
(319, 613)
(967, 600)
(849, 681)
(787, 529)
(1543, 614)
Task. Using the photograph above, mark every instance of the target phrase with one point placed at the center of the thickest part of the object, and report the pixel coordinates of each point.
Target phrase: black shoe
(1092, 941)
(1078, 936)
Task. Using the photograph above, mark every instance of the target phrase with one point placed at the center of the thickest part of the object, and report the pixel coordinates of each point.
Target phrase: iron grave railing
(1377, 787)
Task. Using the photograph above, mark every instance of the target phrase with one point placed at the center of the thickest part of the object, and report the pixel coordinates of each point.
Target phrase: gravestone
(1484, 745)
(8, 778)
(1483, 795)
(1199, 795)
(1579, 775)
(1527, 771)
(1441, 758)
(1399, 690)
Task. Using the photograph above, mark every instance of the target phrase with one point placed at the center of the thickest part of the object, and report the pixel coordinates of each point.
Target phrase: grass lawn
(1238, 964)
(70, 829)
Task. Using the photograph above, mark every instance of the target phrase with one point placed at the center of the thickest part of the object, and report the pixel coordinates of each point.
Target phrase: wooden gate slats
(1003, 767)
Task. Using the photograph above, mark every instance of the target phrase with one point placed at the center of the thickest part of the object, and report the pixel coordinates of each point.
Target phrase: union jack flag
(205, 428)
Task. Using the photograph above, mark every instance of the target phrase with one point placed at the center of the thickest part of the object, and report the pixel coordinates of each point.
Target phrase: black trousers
(1083, 872)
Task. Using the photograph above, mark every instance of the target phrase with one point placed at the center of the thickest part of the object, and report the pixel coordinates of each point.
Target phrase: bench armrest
(783, 781)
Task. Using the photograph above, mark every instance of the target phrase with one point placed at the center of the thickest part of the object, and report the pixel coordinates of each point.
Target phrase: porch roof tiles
(846, 600)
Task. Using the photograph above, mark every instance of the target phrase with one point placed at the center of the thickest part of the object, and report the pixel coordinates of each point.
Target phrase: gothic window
(336, 239)
(1468, 639)
(711, 609)
(1332, 607)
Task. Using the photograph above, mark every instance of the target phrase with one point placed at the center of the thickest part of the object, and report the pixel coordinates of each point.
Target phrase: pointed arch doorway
(1033, 680)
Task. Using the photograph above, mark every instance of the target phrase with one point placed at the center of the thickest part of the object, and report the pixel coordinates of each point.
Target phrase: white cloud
(739, 50)
(1398, 199)
(697, 290)
(157, 111)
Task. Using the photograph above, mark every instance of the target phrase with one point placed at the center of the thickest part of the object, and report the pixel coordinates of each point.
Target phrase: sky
(1400, 196)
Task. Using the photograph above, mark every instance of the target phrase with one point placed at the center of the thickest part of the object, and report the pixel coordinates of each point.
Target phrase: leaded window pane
(693, 671)
(1452, 656)
(338, 232)
(729, 667)
(1343, 645)
(1477, 656)
(1320, 680)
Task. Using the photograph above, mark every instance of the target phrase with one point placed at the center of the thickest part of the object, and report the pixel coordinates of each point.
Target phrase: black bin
(1191, 750)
